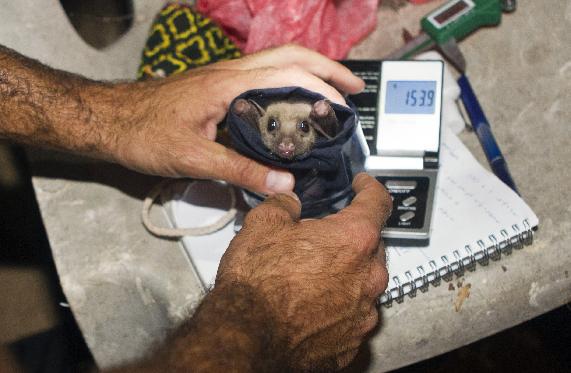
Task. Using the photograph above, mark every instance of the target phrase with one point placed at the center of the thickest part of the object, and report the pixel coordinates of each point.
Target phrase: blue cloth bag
(324, 175)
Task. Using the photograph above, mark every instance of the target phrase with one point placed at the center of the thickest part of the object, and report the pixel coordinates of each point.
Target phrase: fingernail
(293, 195)
(279, 181)
(363, 85)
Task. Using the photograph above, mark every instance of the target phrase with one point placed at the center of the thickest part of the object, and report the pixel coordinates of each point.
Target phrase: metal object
(509, 6)
(416, 45)
(453, 54)
(450, 23)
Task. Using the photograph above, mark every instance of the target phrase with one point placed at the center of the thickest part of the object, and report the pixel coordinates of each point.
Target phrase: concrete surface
(127, 288)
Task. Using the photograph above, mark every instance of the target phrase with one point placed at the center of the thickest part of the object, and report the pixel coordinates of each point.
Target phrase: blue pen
(484, 132)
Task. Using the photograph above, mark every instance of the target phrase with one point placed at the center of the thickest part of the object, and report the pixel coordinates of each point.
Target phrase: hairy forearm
(230, 331)
(45, 107)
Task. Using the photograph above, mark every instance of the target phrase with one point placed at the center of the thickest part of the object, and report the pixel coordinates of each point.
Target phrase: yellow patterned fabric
(181, 39)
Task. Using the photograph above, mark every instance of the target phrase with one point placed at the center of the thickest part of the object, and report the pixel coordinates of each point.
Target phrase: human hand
(320, 278)
(168, 126)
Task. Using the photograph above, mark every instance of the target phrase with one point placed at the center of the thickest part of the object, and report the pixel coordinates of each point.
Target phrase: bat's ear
(248, 110)
(324, 119)
(258, 108)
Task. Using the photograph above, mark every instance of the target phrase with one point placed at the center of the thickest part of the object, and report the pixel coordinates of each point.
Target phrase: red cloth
(331, 27)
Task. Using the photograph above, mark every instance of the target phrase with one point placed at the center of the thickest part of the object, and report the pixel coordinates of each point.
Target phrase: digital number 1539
(420, 97)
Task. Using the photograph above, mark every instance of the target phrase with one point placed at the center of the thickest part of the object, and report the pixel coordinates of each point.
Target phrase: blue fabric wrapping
(323, 176)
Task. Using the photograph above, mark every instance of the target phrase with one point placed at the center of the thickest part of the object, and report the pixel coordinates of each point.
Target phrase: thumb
(226, 164)
(275, 212)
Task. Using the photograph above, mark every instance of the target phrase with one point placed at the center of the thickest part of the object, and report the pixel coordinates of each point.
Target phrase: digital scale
(400, 114)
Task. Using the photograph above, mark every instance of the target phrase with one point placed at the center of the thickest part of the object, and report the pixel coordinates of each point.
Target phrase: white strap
(181, 232)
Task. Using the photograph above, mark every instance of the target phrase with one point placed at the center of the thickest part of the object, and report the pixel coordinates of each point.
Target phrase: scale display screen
(451, 12)
(410, 97)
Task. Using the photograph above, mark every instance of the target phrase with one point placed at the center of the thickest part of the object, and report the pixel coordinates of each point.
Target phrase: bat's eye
(272, 125)
(303, 126)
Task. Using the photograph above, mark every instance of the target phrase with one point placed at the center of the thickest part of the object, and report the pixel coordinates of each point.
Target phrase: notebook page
(471, 204)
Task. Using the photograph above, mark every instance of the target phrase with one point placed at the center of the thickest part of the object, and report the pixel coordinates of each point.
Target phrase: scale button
(406, 216)
(409, 201)
(400, 184)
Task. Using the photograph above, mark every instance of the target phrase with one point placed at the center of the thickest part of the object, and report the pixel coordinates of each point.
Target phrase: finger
(346, 358)
(372, 203)
(225, 85)
(317, 64)
(381, 253)
(298, 77)
(368, 323)
(363, 219)
(276, 211)
(378, 277)
(331, 71)
(210, 160)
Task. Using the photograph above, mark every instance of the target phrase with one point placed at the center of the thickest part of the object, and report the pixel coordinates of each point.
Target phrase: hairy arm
(50, 108)
(290, 294)
(231, 331)
(163, 127)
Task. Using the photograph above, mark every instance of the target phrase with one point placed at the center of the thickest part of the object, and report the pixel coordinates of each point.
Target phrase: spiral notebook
(477, 219)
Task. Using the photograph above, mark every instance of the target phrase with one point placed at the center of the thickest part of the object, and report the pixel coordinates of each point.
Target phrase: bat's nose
(286, 149)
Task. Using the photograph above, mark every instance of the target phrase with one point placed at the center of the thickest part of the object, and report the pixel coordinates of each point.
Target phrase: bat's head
(287, 129)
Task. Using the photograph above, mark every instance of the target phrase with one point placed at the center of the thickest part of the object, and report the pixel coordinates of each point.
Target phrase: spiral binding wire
(460, 261)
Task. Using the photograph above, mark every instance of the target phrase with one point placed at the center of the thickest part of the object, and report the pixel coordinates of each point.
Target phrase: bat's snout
(286, 150)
